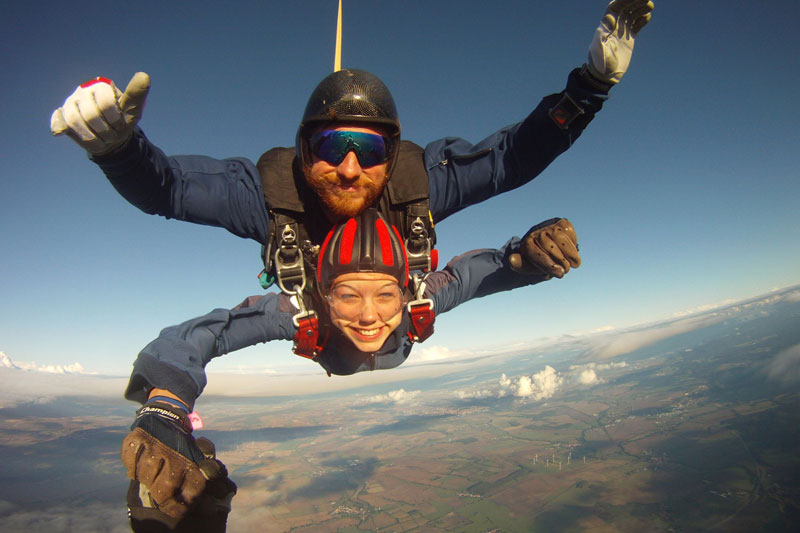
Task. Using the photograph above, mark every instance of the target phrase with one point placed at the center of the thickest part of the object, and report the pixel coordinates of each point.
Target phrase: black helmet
(350, 96)
(366, 243)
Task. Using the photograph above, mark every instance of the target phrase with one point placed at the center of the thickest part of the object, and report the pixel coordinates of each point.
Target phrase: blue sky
(683, 191)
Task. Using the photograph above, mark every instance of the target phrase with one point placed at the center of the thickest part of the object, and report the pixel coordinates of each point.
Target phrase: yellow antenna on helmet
(337, 57)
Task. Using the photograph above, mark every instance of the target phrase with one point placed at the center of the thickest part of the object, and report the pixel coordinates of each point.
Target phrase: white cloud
(432, 353)
(74, 368)
(785, 366)
(588, 374)
(475, 395)
(793, 296)
(18, 386)
(91, 517)
(524, 387)
(587, 377)
(399, 396)
(539, 386)
(598, 366)
(608, 346)
(544, 384)
(704, 308)
(6, 362)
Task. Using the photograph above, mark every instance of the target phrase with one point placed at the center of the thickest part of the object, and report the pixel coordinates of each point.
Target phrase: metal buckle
(289, 268)
(302, 311)
(418, 247)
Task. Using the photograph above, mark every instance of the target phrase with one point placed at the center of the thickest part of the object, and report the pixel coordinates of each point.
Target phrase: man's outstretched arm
(463, 174)
(103, 120)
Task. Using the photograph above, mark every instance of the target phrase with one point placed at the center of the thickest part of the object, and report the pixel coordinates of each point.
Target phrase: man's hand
(549, 248)
(612, 46)
(98, 116)
(162, 455)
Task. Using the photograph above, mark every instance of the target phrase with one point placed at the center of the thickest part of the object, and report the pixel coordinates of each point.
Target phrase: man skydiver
(362, 282)
(347, 147)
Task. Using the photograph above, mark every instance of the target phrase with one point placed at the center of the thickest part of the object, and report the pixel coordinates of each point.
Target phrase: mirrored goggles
(332, 146)
(350, 303)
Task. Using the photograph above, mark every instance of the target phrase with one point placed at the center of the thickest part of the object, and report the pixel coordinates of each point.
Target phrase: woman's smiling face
(366, 307)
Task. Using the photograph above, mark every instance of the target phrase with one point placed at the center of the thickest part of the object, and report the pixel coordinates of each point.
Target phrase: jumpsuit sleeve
(461, 174)
(225, 193)
(476, 274)
(176, 360)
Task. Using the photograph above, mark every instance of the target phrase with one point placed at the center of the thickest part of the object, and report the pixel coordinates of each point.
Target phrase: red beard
(342, 203)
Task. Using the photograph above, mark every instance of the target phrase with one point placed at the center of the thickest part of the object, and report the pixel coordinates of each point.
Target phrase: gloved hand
(98, 116)
(550, 248)
(162, 455)
(611, 49)
(209, 513)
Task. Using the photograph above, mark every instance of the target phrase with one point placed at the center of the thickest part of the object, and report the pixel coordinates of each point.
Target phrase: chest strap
(307, 340)
(422, 318)
(421, 311)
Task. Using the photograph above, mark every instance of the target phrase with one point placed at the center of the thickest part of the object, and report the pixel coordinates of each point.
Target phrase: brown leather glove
(207, 514)
(174, 481)
(549, 248)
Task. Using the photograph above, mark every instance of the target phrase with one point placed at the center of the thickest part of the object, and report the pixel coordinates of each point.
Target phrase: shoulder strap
(280, 173)
(409, 181)
(406, 200)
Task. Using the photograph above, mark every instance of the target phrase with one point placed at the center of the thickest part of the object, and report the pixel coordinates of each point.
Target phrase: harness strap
(306, 340)
(421, 310)
(288, 258)
(422, 319)
(420, 237)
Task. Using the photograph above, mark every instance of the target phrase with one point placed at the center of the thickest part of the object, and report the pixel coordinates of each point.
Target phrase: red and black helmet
(366, 243)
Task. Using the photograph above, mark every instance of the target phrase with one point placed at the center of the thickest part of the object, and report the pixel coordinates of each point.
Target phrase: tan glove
(549, 248)
(98, 116)
(173, 481)
(612, 46)
(208, 513)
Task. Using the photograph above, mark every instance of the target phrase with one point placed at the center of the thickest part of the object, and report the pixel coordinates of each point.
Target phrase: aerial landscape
(697, 430)
(656, 387)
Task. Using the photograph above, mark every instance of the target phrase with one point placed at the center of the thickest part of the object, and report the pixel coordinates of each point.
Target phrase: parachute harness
(421, 257)
(288, 262)
(290, 273)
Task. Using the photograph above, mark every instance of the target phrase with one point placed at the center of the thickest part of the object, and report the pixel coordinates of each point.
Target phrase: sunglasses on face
(333, 146)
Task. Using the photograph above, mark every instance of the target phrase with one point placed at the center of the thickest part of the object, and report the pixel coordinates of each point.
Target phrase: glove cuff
(585, 74)
(166, 413)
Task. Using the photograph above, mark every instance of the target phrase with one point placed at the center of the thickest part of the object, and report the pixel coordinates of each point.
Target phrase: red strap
(98, 79)
(305, 340)
(422, 318)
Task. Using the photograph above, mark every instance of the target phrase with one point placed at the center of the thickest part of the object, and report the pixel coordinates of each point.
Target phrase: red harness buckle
(422, 319)
(307, 337)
